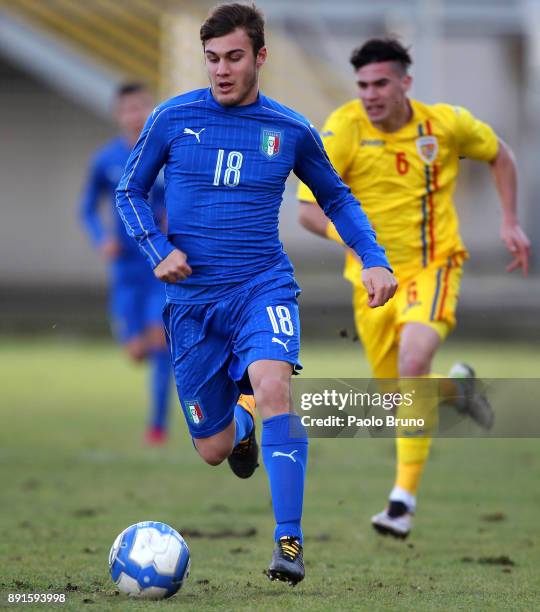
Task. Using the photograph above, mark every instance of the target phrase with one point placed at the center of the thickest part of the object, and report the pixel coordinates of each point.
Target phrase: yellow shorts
(428, 297)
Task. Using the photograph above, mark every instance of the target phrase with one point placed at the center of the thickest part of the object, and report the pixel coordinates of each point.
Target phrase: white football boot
(402, 505)
(398, 527)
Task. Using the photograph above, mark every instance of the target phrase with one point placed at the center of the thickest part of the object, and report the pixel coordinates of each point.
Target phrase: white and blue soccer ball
(149, 560)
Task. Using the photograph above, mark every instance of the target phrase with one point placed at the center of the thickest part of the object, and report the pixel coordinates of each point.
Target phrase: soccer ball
(149, 560)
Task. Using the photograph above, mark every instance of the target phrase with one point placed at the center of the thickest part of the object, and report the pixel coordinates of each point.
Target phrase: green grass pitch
(74, 473)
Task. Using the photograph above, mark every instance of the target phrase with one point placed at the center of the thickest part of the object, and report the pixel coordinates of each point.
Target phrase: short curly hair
(381, 50)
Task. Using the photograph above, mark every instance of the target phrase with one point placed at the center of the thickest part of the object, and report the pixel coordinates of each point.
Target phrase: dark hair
(225, 18)
(131, 87)
(381, 50)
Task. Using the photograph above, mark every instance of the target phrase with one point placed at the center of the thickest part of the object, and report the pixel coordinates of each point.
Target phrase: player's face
(132, 110)
(383, 91)
(233, 69)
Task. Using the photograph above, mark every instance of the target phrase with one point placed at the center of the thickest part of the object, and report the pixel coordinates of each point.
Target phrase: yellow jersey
(405, 180)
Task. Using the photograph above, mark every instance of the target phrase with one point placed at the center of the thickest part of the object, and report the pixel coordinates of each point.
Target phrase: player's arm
(89, 211)
(476, 140)
(504, 171)
(314, 220)
(143, 166)
(338, 204)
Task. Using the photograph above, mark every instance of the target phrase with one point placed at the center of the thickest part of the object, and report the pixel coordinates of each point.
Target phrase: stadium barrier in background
(60, 61)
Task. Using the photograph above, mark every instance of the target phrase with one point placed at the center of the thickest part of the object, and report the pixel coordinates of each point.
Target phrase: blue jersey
(105, 172)
(225, 173)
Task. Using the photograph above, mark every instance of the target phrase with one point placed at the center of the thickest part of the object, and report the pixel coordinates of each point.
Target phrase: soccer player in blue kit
(137, 298)
(232, 315)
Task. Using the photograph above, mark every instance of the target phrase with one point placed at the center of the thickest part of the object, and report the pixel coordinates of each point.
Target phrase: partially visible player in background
(136, 296)
(401, 159)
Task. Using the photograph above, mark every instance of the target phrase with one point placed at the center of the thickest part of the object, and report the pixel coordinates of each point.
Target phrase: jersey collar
(411, 123)
(235, 110)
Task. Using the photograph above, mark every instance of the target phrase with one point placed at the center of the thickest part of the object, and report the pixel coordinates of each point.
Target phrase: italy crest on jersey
(428, 148)
(194, 410)
(271, 143)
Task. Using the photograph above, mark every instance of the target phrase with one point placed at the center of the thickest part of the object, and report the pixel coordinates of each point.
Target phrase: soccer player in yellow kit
(400, 158)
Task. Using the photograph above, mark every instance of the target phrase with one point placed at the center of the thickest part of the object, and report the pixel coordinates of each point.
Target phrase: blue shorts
(136, 302)
(213, 345)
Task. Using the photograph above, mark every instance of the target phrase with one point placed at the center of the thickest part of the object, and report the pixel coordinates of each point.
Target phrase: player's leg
(426, 306)
(159, 360)
(244, 458)
(125, 317)
(285, 451)
(418, 341)
(136, 308)
(379, 333)
(237, 442)
(267, 346)
(216, 448)
(417, 347)
(284, 444)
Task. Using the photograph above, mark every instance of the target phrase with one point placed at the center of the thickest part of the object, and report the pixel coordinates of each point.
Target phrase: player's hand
(380, 285)
(173, 268)
(518, 245)
(110, 248)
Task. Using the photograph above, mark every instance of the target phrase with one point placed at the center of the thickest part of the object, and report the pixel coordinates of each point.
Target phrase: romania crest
(428, 148)
(271, 143)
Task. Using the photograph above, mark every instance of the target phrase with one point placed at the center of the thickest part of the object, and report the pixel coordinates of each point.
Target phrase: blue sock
(284, 450)
(160, 380)
(244, 424)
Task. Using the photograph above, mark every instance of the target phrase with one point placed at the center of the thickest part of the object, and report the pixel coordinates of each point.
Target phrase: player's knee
(213, 454)
(413, 363)
(273, 395)
(213, 457)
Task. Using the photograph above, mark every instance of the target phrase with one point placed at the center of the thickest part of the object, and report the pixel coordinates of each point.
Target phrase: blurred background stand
(61, 61)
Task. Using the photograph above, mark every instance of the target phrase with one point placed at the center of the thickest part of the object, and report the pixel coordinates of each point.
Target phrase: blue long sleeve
(143, 166)
(314, 169)
(93, 191)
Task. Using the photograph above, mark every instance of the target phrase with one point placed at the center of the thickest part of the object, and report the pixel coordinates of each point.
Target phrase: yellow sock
(413, 443)
(412, 454)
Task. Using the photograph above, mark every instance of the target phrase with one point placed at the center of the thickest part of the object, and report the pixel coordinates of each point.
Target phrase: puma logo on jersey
(193, 133)
(280, 454)
(284, 344)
